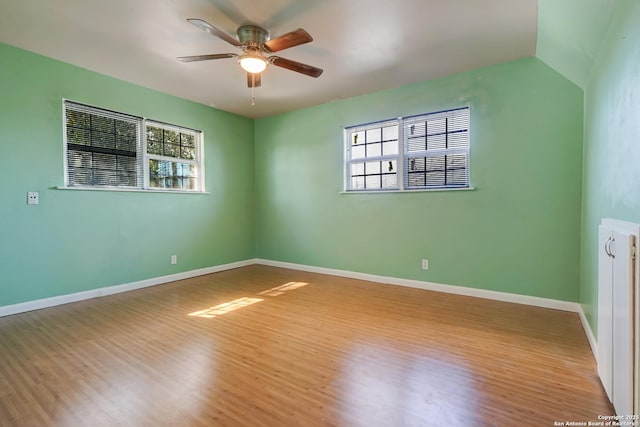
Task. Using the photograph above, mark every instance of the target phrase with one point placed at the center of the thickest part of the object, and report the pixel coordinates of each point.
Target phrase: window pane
(154, 147)
(390, 166)
(78, 159)
(78, 136)
(126, 138)
(357, 183)
(437, 142)
(374, 150)
(358, 152)
(459, 140)
(357, 138)
(102, 139)
(78, 176)
(104, 161)
(416, 179)
(102, 124)
(127, 179)
(171, 137)
(125, 163)
(185, 170)
(416, 129)
(188, 153)
(188, 183)
(171, 150)
(457, 177)
(435, 179)
(154, 133)
(357, 169)
(188, 140)
(165, 174)
(78, 119)
(104, 177)
(372, 182)
(390, 148)
(459, 122)
(390, 133)
(390, 181)
(437, 126)
(416, 144)
(374, 135)
(457, 161)
(155, 179)
(416, 164)
(372, 168)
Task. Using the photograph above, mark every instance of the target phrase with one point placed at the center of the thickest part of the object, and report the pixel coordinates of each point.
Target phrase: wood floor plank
(298, 349)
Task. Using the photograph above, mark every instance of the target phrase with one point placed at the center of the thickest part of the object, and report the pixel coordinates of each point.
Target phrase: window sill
(422, 190)
(129, 190)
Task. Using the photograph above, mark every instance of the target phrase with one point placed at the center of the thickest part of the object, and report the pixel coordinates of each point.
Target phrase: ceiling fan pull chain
(253, 90)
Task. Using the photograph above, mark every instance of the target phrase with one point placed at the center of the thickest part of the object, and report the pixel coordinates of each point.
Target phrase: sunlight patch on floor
(279, 290)
(226, 307)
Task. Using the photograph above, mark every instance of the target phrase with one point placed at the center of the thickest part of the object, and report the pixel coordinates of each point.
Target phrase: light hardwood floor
(300, 349)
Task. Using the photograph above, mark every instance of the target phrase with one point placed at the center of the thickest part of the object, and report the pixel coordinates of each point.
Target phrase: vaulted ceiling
(362, 45)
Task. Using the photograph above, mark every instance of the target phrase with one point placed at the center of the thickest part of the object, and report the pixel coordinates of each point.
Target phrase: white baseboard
(587, 330)
(8, 310)
(430, 286)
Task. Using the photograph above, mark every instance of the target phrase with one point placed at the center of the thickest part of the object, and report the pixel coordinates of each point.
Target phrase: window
(172, 155)
(428, 151)
(106, 149)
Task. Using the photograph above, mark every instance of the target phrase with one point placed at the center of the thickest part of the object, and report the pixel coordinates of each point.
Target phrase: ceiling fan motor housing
(252, 35)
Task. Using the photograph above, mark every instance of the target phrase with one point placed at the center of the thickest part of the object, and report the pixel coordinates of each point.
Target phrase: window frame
(403, 155)
(143, 182)
(349, 161)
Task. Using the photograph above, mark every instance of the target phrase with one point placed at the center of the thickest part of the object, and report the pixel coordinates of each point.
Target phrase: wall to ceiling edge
(570, 33)
(518, 232)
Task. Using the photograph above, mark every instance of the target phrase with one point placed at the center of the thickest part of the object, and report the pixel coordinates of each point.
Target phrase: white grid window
(429, 151)
(107, 149)
(372, 151)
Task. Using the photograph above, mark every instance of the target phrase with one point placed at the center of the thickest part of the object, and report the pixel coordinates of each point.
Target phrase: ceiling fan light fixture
(253, 63)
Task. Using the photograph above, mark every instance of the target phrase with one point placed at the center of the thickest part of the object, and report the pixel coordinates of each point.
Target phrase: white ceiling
(362, 45)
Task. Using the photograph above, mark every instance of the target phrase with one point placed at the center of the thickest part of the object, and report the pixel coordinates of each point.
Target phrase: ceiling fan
(255, 43)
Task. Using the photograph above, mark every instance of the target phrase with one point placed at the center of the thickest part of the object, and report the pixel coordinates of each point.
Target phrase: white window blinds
(436, 150)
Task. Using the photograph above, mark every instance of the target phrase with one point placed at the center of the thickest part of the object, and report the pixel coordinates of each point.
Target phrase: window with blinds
(428, 151)
(436, 150)
(107, 149)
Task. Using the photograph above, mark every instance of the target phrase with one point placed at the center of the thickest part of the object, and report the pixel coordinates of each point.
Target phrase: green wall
(611, 186)
(518, 232)
(80, 240)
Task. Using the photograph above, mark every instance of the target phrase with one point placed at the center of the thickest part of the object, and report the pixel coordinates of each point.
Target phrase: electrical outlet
(174, 259)
(32, 198)
(425, 264)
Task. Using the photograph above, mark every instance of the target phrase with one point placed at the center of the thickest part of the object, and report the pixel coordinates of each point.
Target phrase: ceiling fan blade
(195, 58)
(298, 67)
(253, 80)
(204, 25)
(285, 41)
